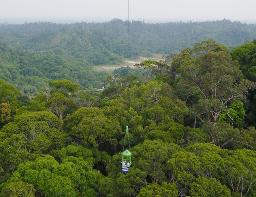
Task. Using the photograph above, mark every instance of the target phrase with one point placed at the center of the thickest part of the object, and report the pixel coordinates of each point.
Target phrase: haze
(148, 10)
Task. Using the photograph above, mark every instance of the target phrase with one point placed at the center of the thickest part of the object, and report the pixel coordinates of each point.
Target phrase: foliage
(245, 55)
(208, 80)
(90, 127)
(41, 52)
(235, 114)
(53, 179)
(188, 131)
(152, 157)
(31, 71)
(18, 189)
(209, 187)
(8, 102)
(159, 190)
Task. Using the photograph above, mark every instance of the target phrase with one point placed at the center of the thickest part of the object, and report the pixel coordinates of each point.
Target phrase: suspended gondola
(126, 155)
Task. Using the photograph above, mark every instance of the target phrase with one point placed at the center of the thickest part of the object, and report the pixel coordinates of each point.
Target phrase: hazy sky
(243, 10)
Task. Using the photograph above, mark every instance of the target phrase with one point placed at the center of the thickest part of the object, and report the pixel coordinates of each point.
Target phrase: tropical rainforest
(191, 116)
(33, 54)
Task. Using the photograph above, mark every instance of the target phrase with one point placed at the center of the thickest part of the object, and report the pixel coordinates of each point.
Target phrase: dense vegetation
(189, 131)
(31, 72)
(33, 54)
(101, 43)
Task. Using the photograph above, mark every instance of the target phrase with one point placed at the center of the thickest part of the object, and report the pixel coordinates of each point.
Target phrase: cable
(128, 30)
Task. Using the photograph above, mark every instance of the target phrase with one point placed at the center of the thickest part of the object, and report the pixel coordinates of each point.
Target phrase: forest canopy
(191, 130)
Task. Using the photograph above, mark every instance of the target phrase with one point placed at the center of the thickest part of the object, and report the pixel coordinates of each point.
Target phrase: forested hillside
(191, 132)
(31, 71)
(98, 43)
(33, 54)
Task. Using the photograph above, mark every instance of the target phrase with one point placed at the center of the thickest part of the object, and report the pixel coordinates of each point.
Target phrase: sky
(147, 10)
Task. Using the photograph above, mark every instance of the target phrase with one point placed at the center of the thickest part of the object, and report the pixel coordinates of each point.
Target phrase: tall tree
(246, 56)
(8, 102)
(61, 99)
(208, 80)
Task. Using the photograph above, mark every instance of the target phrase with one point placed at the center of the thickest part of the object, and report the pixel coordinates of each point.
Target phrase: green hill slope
(99, 43)
(31, 71)
(34, 53)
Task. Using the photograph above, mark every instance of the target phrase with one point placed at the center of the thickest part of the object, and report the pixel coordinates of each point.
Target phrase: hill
(31, 71)
(100, 43)
(33, 54)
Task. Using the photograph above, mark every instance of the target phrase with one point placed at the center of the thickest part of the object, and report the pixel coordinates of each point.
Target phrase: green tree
(208, 80)
(223, 134)
(17, 189)
(128, 184)
(8, 102)
(167, 131)
(41, 131)
(64, 86)
(245, 55)
(8, 93)
(155, 101)
(60, 104)
(13, 152)
(89, 126)
(248, 139)
(74, 151)
(61, 99)
(199, 160)
(152, 157)
(5, 111)
(239, 172)
(235, 114)
(118, 110)
(72, 177)
(209, 188)
(164, 190)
